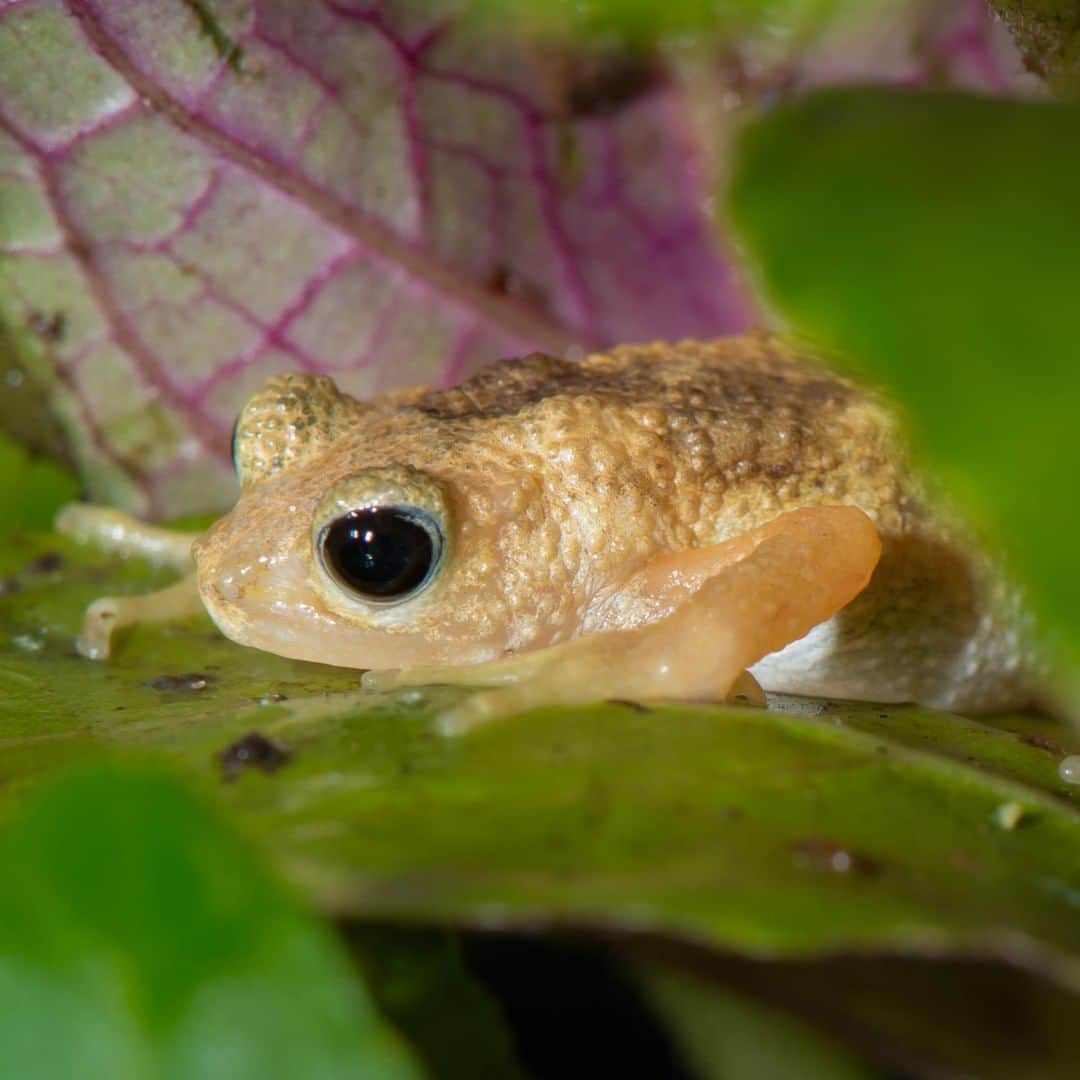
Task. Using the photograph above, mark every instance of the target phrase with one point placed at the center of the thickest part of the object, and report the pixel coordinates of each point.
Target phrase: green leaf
(729, 1036)
(421, 982)
(809, 832)
(141, 938)
(929, 238)
(907, 1015)
(643, 22)
(31, 489)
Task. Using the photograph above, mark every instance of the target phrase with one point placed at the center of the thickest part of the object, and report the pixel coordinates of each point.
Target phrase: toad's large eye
(383, 553)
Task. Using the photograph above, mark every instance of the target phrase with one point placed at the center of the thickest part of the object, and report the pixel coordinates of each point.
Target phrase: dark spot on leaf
(46, 563)
(818, 853)
(635, 705)
(1041, 742)
(963, 861)
(778, 470)
(229, 51)
(505, 281)
(499, 279)
(603, 83)
(79, 248)
(192, 680)
(49, 326)
(9, 585)
(251, 751)
(272, 698)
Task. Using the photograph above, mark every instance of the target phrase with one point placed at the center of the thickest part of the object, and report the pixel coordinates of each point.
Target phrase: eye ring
(383, 554)
(234, 445)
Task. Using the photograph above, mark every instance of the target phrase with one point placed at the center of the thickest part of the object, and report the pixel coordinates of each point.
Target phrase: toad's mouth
(269, 602)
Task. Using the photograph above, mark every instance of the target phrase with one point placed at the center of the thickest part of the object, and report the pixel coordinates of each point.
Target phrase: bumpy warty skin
(563, 478)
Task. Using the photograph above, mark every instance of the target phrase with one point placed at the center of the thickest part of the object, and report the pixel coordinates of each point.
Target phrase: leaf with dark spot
(172, 684)
(736, 828)
(251, 751)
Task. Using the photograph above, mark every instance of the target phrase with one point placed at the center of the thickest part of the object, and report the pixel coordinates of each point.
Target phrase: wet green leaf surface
(818, 829)
(140, 938)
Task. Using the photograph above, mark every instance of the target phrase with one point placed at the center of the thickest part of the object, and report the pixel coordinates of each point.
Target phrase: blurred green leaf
(140, 938)
(844, 828)
(729, 1036)
(910, 1016)
(643, 22)
(421, 982)
(930, 239)
(31, 489)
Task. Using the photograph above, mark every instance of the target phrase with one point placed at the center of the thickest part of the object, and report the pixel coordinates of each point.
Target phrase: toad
(661, 521)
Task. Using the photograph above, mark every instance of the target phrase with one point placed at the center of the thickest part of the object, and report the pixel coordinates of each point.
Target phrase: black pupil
(382, 552)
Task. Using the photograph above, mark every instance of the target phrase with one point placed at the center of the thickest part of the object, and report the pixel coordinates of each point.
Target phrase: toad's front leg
(118, 532)
(723, 608)
(113, 530)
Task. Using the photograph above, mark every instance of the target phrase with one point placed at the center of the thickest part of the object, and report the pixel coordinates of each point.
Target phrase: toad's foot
(727, 607)
(111, 613)
(118, 532)
(746, 690)
(115, 531)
